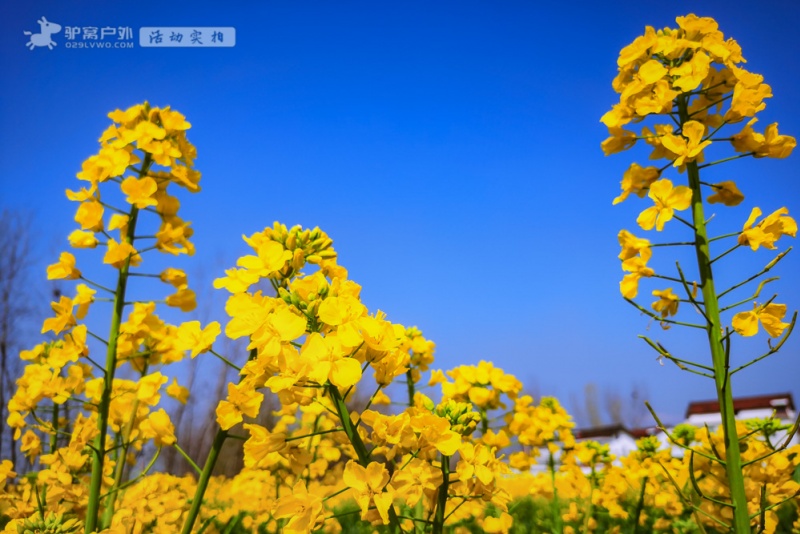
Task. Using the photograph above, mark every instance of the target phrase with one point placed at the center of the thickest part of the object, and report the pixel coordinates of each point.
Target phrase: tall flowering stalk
(693, 77)
(142, 154)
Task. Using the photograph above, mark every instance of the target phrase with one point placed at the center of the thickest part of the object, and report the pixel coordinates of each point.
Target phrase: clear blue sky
(451, 149)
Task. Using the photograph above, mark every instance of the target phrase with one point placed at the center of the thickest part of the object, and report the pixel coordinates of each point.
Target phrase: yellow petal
(745, 324)
(345, 372)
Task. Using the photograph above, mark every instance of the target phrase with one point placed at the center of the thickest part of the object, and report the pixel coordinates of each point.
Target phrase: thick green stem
(417, 510)
(54, 435)
(358, 444)
(555, 507)
(590, 507)
(119, 468)
(411, 391)
(99, 444)
(347, 424)
(639, 507)
(733, 461)
(441, 497)
(202, 482)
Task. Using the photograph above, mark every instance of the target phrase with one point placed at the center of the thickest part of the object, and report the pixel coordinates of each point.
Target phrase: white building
(622, 441)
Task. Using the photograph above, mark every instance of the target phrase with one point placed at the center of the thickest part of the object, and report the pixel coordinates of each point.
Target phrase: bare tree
(15, 309)
(617, 407)
(592, 404)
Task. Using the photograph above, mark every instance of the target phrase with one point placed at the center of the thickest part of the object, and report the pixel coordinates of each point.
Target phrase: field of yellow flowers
(91, 423)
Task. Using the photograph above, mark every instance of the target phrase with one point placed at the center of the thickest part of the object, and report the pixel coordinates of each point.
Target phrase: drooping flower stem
(202, 482)
(719, 356)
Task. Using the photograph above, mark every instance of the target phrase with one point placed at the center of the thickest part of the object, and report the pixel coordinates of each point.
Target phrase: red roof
(780, 402)
(605, 431)
(644, 432)
(608, 431)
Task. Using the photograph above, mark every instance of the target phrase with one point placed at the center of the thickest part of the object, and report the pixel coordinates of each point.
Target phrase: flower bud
(291, 241)
(298, 259)
(285, 295)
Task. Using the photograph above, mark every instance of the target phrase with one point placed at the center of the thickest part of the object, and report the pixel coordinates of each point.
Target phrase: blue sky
(450, 149)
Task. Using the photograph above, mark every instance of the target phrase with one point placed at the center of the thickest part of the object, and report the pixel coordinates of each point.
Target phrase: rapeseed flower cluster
(692, 80)
(76, 420)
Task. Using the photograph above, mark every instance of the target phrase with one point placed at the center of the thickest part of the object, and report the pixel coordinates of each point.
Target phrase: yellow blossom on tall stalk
(691, 77)
(142, 154)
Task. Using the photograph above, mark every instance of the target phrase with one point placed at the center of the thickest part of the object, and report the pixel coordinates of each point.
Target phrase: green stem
(358, 444)
(639, 507)
(119, 468)
(551, 466)
(766, 269)
(98, 286)
(590, 510)
(225, 360)
(724, 236)
(54, 435)
(725, 160)
(410, 385)
(441, 497)
(726, 252)
(352, 434)
(205, 474)
(202, 482)
(719, 356)
(99, 444)
(188, 459)
(317, 433)
(676, 244)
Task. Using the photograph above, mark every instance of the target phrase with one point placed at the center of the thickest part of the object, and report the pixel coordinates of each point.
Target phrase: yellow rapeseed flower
(689, 146)
(81, 239)
(769, 230)
(191, 337)
(242, 400)
(159, 427)
(667, 199)
(637, 181)
(301, 508)
(178, 392)
(184, 299)
(117, 253)
(370, 486)
(726, 193)
(65, 268)
(140, 191)
(770, 315)
(90, 215)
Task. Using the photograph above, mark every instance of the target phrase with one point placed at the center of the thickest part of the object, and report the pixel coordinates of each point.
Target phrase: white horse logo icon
(43, 37)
